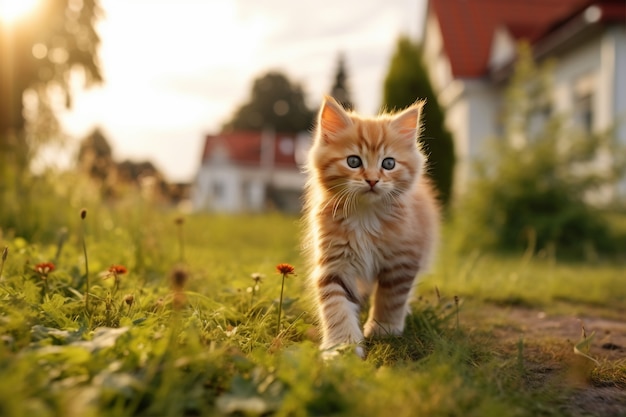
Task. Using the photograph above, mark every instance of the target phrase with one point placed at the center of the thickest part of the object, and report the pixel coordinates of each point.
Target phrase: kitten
(372, 220)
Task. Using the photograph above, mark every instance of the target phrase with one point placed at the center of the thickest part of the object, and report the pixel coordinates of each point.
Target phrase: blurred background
(209, 105)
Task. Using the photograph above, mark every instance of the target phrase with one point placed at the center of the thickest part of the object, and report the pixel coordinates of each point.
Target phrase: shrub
(540, 186)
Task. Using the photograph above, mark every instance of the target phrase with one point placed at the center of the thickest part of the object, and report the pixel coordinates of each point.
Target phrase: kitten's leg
(339, 307)
(390, 302)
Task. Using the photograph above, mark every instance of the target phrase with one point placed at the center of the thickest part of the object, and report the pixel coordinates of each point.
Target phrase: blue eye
(389, 163)
(354, 161)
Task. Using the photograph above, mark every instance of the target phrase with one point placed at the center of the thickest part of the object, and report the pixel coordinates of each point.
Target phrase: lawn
(182, 320)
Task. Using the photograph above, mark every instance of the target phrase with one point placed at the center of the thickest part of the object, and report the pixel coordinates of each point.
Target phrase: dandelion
(115, 271)
(257, 279)
(284, 270)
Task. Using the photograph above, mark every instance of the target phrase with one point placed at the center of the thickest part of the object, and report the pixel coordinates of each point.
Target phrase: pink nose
(372, 183)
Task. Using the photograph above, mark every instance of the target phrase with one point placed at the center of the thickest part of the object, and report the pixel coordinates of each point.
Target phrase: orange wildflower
(117, 269)
(285, 269)
(44, 268)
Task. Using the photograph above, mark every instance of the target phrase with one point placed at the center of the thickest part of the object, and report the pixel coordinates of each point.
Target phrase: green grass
(211, 347)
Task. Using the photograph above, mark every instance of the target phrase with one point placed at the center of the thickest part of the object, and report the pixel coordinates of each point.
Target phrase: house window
(218, 190)
(583, 112)
(583, 102)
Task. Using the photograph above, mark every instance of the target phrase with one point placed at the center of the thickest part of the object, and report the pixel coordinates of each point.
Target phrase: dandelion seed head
(257, 277)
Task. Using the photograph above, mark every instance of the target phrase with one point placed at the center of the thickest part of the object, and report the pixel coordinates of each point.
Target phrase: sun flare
(13, 10)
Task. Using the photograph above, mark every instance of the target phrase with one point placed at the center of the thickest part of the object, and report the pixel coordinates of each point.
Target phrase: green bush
(540, 186)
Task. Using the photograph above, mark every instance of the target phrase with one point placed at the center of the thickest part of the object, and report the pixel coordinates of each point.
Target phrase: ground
(547, 344)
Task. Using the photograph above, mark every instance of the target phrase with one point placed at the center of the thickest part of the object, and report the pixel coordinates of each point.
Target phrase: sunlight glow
(13, 10)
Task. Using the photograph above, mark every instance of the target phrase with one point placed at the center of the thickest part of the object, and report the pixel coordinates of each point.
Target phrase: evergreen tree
(407, 81)
(275, 103)
(340, 90)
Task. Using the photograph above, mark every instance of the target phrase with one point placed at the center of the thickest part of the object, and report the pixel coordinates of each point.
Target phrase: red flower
(285, 269)
(117, 269)
(44, 268)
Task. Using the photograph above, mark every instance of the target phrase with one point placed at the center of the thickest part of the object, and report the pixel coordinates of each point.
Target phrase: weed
(285, 270)
(189, 333)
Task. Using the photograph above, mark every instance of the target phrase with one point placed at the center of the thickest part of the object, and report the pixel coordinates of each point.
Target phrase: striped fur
(367, 242)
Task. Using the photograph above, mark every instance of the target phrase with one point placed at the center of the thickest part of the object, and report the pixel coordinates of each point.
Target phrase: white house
(251, 172)
(469, 46)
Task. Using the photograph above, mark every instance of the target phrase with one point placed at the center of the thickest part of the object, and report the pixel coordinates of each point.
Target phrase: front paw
(343, 349)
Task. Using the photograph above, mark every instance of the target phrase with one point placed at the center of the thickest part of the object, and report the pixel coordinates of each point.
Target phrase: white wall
(224, 177)
(472, 118)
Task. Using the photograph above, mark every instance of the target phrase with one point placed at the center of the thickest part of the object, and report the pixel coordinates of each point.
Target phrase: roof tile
(467, 26)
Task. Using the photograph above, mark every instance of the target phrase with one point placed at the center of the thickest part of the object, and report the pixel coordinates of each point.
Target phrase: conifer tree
(407, 81)
(340, 90)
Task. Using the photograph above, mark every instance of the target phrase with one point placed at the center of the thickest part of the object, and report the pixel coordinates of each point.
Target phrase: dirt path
(549, 358)
(609, 341)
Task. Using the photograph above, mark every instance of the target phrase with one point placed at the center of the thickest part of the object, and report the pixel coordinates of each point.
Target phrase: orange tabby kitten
(372, 220)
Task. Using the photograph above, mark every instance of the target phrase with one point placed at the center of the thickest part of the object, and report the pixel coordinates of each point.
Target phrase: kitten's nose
(372, 183)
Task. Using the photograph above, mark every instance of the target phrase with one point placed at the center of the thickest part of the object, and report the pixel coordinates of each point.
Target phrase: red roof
(467, 26)
(245, 148)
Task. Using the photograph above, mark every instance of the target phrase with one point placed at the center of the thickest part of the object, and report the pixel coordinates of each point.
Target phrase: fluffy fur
(372, 220)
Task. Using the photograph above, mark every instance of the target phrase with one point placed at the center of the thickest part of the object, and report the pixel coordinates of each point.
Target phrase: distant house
(469, 47)
(251, 172)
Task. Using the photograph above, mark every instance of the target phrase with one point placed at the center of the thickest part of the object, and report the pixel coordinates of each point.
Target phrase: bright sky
(175, 70)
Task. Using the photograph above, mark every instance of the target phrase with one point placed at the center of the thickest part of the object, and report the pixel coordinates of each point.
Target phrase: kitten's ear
(408, 122)
(332, 118)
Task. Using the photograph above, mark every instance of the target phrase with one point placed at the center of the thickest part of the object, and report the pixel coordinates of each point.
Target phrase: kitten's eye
(389, 163)
(354, 161)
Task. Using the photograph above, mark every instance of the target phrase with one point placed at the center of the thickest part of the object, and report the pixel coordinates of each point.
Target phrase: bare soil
(546, 343)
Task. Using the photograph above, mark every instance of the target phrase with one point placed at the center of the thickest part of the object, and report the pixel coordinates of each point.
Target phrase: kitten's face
(366, 160)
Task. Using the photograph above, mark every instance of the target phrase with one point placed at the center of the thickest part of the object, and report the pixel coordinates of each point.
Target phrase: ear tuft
(332, 118)
(408, 122)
